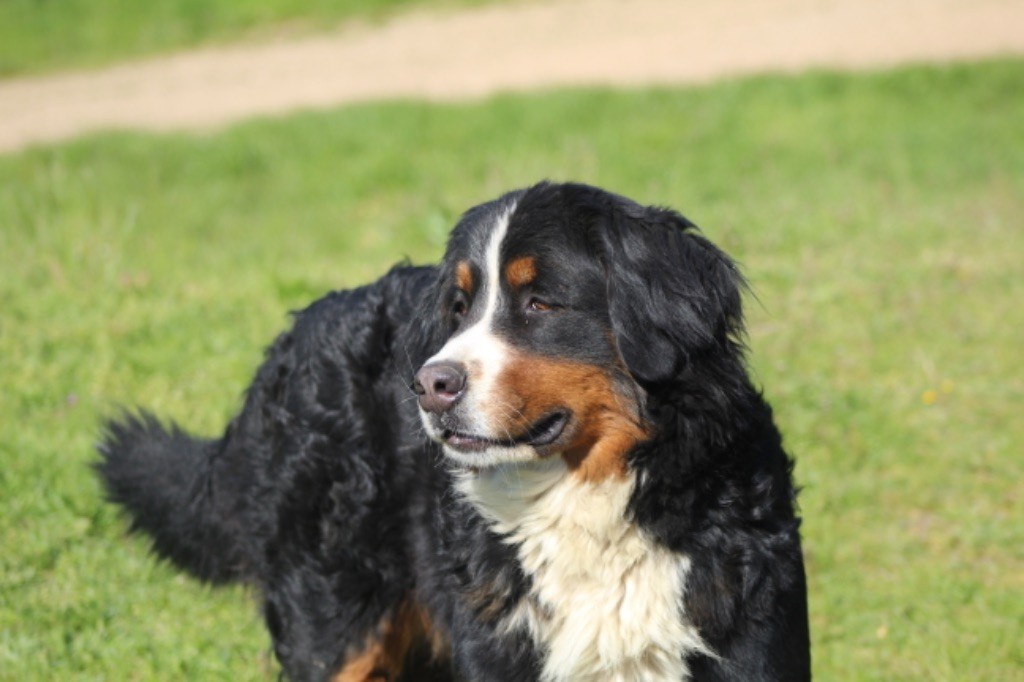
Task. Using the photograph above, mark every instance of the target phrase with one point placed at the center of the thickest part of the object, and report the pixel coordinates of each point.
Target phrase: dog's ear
(672, 294)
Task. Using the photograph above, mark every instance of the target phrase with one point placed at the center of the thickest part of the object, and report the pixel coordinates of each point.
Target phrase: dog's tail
(180, 491)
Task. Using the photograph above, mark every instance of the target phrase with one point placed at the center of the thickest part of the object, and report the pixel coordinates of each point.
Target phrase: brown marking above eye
(521, 271)
(464, 276)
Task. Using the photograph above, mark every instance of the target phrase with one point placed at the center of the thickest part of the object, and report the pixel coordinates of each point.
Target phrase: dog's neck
(505, 494)
(605, 601)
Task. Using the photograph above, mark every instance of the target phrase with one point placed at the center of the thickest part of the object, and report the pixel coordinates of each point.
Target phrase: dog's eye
(535, 305)
(460, 304)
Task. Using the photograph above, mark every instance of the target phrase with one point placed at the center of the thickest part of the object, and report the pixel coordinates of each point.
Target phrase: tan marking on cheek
(605, 427)
(521, 271)
(381, 658)
(464, 277)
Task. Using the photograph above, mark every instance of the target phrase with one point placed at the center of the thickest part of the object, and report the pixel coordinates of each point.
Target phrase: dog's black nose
(439, 385)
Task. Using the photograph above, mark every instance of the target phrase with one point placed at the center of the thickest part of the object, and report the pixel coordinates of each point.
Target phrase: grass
(44, 35)
(880, 219)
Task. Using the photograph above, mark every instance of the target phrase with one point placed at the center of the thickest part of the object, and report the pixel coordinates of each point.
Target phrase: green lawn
(43, 35)
(880, 219)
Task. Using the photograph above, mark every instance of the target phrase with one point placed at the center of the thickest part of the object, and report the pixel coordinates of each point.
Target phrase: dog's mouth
(542, 433)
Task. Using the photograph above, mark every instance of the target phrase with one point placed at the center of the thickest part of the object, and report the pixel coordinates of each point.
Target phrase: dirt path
(477, 52)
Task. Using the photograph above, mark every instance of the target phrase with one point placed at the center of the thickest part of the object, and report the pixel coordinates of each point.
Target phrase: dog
(543, 459)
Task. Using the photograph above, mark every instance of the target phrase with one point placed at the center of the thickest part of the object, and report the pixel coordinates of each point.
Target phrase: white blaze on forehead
(483, 353)
(492, 268)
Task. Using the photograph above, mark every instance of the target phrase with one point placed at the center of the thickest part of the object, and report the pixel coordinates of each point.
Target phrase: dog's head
(563, 307)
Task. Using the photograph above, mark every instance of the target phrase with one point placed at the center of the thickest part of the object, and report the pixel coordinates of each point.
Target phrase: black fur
(325, 493)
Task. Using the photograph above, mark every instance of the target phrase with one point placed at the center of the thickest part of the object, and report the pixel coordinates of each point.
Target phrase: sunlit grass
(43, 35)
(880, 219)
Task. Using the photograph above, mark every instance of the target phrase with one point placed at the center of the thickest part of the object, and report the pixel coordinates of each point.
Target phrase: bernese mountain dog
(543, 459)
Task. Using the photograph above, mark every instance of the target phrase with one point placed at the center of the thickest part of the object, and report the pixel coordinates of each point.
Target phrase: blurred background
(177, 175)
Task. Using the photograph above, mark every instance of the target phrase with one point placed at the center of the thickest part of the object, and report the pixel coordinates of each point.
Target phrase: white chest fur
(606, 602)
